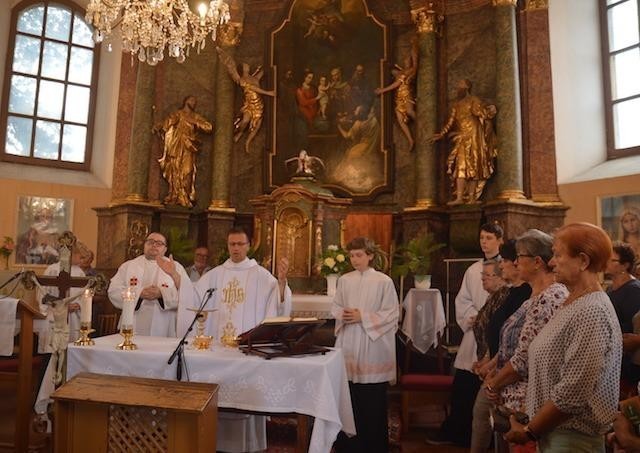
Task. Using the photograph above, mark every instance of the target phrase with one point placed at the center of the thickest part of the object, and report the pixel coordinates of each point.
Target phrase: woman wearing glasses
(509, 384)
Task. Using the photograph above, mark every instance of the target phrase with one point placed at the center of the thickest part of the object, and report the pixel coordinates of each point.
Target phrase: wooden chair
(107, 324)
(421, 391)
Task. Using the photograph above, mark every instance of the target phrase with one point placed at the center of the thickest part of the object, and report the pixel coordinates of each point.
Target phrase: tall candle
(128, 298)
(86, 303)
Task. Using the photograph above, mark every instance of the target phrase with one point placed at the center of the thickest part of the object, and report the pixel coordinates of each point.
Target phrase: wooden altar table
(311, 385)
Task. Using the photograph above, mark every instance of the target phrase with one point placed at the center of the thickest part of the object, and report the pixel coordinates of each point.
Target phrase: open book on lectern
(281, 337)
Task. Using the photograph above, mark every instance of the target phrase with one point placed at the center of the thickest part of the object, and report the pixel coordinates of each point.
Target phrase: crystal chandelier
(150, 26)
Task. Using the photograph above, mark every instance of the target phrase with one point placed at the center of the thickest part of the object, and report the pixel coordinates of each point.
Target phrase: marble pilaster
(508, 177)
(140, 145)
(427, 23)
(537, 93)
(223, 139)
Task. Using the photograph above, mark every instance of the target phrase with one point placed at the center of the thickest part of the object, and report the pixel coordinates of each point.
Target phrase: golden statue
(252, 110)
(178, 161)
(405, 101)
(471, 161)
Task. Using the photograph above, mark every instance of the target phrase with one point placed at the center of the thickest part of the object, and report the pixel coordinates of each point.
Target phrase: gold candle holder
(201, 341)
(127, 344)
(85, 330)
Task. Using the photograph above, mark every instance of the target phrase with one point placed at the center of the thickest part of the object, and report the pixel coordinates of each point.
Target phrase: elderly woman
(517, 291)
(574, 363)
(509, 384)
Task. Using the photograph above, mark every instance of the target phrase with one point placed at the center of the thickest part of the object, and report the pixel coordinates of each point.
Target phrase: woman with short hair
(574, 362)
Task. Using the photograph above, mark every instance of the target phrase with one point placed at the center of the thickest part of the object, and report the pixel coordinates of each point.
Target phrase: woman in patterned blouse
(574, 363)
(509, 384)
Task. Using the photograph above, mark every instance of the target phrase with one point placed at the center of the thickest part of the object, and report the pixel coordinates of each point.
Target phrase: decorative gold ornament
(536, 4)
(504, 2)
(427, 19)
(149, 26)
(201, 341)
(229, 338)
(229, 34)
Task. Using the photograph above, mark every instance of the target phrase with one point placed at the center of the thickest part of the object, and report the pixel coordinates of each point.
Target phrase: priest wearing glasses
(156, 291)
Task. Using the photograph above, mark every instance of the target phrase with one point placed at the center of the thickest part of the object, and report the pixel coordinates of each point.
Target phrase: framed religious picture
(327, 58)
(620, 218)
(41, 220)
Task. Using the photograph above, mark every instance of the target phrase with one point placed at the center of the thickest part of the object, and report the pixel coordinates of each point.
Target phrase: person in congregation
(366, 311)
(157, 293)
(53, 270)
(508, 385)
(495, 285)
(470, 299)
(200, 264)
(85, 262)
(243, 293)
(518, 292)
(574, 361)
(625, 297)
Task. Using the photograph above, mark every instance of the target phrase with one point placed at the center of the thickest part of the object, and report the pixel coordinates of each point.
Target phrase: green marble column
(140, 150)
(426, 107)
(223, 138)
(509, 118)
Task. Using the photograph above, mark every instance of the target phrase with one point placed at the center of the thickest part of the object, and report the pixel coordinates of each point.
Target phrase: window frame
(609, 102)
(93, 90)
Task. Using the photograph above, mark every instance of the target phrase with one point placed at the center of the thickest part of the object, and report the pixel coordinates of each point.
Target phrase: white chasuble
(152, 317)
(245, 294)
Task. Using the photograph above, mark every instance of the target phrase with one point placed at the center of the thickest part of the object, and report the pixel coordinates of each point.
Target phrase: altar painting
(328, 58)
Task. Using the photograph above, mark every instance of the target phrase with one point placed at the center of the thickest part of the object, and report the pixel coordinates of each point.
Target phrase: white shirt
(369, 347)
(151, 318)
(469, 301)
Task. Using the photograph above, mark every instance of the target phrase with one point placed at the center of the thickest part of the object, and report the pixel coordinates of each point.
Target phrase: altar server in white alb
(366, 311)
(244, 294)
(156, 292)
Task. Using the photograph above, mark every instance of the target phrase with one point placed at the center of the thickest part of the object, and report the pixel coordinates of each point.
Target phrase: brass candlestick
(85, 330)
(127, 344)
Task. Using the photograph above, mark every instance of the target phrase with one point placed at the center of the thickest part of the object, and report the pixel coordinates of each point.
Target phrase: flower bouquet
(334, 261)
(6, 250)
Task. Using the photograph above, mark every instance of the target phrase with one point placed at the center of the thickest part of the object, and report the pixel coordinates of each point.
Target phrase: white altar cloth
(311, 385)
(424, 318)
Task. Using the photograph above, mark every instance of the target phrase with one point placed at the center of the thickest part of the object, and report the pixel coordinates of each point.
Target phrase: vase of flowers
(334, 264)
(6, 250)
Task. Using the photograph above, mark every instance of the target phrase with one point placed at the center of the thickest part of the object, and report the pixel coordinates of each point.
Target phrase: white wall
(105, 118)
(578, 100)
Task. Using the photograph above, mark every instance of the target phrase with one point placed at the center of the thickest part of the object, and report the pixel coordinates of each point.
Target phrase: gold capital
(426, 19)
(504, 2)
(229, 34)
(536, 4)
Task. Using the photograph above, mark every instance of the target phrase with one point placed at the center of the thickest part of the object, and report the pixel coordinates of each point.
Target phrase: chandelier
(148, 27)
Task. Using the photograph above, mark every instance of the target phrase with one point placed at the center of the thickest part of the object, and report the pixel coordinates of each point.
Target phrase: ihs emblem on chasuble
(232, 296)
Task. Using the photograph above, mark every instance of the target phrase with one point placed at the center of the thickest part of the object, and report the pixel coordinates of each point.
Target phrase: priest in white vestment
(156, 291)
(243, 294)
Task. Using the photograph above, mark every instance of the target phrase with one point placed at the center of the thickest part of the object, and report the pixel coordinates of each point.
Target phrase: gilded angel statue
(405, 101)
(252, 110)
(306, 163)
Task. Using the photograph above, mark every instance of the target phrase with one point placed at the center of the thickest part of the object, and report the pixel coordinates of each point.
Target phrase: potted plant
(415, 258)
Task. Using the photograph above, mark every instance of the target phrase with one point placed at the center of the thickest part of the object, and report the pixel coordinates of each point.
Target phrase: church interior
(309, 123)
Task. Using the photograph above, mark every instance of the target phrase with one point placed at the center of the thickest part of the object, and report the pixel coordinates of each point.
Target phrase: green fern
(415, 257)
(180, 246)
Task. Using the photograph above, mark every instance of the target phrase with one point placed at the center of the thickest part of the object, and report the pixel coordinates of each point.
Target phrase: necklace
(571, 298)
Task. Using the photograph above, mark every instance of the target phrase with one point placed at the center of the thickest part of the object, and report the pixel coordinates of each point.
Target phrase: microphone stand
(178, 352)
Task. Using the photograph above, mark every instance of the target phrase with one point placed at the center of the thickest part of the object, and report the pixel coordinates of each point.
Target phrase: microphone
(210, 291)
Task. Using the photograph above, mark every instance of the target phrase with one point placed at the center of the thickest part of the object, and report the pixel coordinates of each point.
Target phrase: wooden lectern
(100, 413)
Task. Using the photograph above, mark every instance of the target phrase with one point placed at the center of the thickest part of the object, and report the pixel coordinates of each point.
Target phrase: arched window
(620, 22)
(49, 91)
